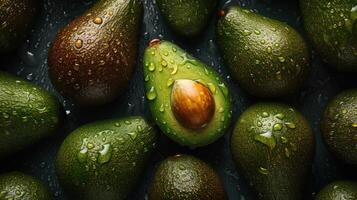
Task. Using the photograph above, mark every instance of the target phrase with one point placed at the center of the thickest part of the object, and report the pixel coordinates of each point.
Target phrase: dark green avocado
(18, 186)
(189, 101)
(187, 17)
(332, 28)
(338, 190)
(28, 113)
(267, 57)
(339, 126)
(184, 177)
(92, 59)
(273, 148)
(104, 160)
(16, 18)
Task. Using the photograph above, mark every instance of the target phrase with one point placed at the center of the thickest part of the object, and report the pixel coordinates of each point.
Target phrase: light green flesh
(160, 80)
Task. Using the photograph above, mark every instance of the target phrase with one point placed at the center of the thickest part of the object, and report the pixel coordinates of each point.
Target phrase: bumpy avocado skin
(16, 186)
(104, 160)
(187, 17)
(331, 26)
(345, 190)
(267, 57)
(164, 63)
(92, 59)
(28, 113)
(273, 147)
(185, 177)
(339, 126)
(16, 17)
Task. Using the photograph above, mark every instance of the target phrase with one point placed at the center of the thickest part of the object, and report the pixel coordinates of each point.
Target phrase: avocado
(92, 59)
(332, 28)
(339, 126)
(187, 18)
(267, 57)
(273, 148)
(16, 17)
(184, 177)
(28, 113)
(338, 190)
(16, 186)
(104, 160)
(189, 101)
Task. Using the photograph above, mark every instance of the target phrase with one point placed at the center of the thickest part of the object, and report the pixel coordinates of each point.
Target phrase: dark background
(30, 62)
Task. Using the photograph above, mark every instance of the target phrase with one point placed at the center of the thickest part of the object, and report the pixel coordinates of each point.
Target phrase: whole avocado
(16, 17)
(104, 160)
(189, 101)
(184, 177)
(338, 190)
(187, 17)
(273, 148)
(267, 57)
(28, 113)
(16, 186)
(91, 61)
(332, 28)
(339, 126)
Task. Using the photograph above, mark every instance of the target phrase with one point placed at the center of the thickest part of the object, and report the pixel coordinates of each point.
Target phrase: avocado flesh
(339, 126)
(187, 17)
(331, 27)
(267, 57)
(273, 147)
(104, 160)
(16, 17)
(28, 113)
(18, 186)
(165, 63)
(92, 59)
(346, 190)
(185, 177)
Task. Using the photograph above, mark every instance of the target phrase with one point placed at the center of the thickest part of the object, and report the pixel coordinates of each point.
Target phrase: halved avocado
(189, 101)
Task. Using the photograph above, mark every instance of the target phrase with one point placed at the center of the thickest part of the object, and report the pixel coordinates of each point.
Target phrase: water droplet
(105, 154)
(224, 89)
(152, 67)
(354, 125)
(90, 145)
(151, 95)
(287, 153)
(247, 32)
(98, 20)
(290, 125)
(280, 116)
(281, 59)
(263, 171)
(79, 43)
(162, 108)
(212, 88)
(170, 81)
(278, 127)
(265, 114)
(82, 155)
(164, 63)
(133, 135)
(266, 139)
(284, 140)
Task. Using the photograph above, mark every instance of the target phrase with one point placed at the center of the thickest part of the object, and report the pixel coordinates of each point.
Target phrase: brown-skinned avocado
(92, 59)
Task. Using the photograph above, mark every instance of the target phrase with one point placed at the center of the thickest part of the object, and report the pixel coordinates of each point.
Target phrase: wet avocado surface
(311, 101)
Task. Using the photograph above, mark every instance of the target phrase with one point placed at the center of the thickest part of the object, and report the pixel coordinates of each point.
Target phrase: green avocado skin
(267, 57)
(185, 177)
(339, 126)
(28, 113)
(18, 186)
(345, 190)
(165, 63)
(331, 26)
(16, 17)
(187, 17)
(104, 160)
(273, 148)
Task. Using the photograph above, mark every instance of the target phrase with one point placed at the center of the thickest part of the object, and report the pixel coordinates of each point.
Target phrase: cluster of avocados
(91, 62)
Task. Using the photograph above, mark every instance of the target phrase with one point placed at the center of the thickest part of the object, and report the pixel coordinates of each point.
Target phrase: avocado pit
(192, 104)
